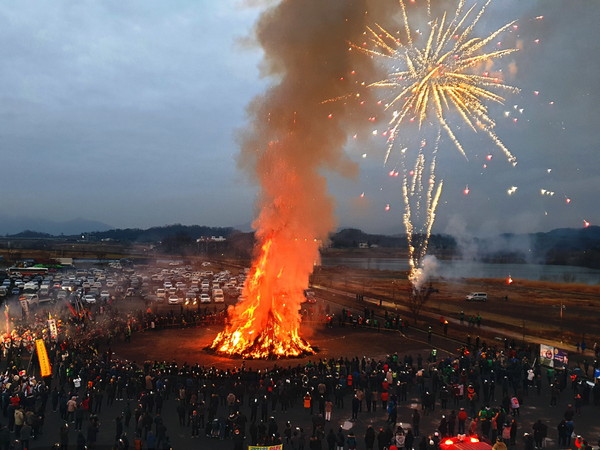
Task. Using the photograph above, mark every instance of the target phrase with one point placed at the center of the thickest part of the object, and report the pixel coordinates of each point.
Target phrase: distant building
(211, 239)
(64, 261)
(367, 245)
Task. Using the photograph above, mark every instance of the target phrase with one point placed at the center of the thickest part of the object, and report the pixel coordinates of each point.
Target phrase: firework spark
(428, 82)
(439, 77)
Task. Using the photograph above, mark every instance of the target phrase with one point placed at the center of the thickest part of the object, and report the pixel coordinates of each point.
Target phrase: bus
(27, 271)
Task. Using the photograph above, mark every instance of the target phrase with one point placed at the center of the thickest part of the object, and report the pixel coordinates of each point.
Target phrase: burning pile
(266, 323)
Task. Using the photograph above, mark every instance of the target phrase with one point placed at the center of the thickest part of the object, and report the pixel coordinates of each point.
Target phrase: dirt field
(531, 305)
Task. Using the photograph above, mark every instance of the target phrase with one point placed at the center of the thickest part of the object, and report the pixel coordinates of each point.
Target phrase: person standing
(118, 428)
(369, 437)
(562, 433)
(515, 404)
(19, 421)
(92, 431)
(26, 434)
(340, 439)
(308, 403)
(416, 421)
(499, 445)
(238, 440)
(195, 424)
(64, 436)
(409, 440)
(328, 410)
(462, 418)
(355, 407)
(540, 431)
(331, 440)
(382, 439)
(351, 441)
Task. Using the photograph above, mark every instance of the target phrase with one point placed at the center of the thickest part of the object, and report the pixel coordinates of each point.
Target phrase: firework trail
(429, 82)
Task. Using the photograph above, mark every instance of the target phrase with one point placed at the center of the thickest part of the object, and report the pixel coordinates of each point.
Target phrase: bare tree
(417, 299)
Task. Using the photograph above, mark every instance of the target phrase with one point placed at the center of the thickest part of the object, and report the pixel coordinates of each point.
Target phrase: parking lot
(161, 286)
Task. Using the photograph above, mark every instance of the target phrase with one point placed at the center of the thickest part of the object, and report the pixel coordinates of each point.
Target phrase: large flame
(266, 324)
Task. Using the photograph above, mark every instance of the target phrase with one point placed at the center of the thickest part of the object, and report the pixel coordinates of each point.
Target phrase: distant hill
(158, 234)
(10, 225)
(565, 246)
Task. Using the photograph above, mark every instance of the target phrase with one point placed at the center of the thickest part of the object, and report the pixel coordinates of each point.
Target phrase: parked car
(204, 298)
(310, 296)
(476, 297)
(174, 300)
(89, 298)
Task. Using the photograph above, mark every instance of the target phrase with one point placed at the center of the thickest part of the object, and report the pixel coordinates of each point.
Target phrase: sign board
(553, 356)
(561, 357)
(266, 447)
(42, 354)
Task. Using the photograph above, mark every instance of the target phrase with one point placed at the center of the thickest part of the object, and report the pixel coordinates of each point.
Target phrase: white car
(476, 297)
(174, 300)
(204, 298)
(89, 298)
(105, 295)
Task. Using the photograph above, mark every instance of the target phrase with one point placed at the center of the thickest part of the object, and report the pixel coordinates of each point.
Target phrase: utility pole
(561, 319)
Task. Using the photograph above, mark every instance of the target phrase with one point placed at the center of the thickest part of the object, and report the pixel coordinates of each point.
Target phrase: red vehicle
(464, 443)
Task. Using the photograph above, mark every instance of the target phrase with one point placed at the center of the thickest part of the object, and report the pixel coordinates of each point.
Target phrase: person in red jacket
(462, 418)
(384, 399)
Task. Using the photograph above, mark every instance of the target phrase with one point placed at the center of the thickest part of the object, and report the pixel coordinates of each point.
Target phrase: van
(476, 297)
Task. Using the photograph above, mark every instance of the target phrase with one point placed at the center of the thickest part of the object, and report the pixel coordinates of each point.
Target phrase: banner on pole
(53, 328)
(42, 354)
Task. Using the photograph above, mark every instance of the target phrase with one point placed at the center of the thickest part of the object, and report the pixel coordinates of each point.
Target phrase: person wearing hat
(238, 440)
(499, 444)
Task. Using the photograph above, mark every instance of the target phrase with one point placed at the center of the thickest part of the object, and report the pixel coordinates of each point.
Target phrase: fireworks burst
(428, 82)
(439, 76)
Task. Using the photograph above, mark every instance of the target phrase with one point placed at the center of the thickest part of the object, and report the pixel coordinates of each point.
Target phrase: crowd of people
(480, 391)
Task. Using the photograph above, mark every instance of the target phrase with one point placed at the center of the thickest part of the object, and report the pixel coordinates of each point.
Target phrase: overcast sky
(127, 113)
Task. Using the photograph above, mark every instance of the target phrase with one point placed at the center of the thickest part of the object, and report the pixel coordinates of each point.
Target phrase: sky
(129, 113)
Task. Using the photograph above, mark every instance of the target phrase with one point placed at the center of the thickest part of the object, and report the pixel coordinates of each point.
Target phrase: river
(473, 269)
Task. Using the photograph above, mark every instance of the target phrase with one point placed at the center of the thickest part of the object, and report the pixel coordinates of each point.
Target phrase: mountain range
(10, 225)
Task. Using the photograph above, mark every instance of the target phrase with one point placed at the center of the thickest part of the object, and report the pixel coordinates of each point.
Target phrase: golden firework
(438, 76)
